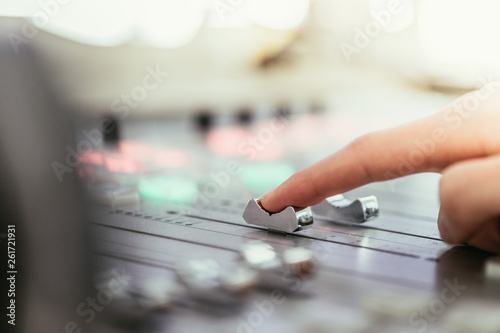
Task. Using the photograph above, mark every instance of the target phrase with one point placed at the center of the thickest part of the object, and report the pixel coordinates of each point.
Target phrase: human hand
(462, 142)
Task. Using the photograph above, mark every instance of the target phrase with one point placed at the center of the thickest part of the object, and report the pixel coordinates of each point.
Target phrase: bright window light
(102, 23)
(460, 32)
(159, 23)
(277, 14)
(394, 15)
(18, 8)
(169, 23)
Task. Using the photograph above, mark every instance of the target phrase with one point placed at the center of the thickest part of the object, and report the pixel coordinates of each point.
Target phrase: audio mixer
(167, 205)
(171, 249)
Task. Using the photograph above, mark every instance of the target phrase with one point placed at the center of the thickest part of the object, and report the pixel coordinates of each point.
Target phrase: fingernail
(266, 195)
(264, 198)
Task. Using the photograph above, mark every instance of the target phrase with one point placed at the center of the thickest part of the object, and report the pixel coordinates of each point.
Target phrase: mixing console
(177, 199)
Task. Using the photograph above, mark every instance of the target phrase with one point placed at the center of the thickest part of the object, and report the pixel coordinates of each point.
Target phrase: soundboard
(171, 251)
(169, 194)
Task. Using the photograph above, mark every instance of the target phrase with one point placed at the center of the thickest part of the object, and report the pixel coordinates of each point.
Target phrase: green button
(259, 178)
(175, 190)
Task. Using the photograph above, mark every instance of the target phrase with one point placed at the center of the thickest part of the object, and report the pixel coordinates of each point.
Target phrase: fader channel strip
(387, 268)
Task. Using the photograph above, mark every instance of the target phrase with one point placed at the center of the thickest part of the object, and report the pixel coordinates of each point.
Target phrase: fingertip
(488, 237)
(452, 229)
(264, 196)
(264, 201)
(445, 228)
(454, 213)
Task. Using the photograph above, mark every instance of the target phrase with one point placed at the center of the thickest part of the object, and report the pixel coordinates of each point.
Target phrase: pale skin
(462, 143)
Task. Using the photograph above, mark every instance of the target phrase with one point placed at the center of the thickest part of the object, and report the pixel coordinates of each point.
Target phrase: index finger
(428, 144)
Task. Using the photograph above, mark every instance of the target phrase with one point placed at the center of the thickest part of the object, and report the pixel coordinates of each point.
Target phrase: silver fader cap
(277, 270)
(205, 280)
(160, 294)
(340, 209)
(285, 221)
(114, 195)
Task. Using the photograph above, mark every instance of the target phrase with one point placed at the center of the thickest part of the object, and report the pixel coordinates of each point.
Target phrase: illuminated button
(261, 177)
(225, 141)
(176, 190)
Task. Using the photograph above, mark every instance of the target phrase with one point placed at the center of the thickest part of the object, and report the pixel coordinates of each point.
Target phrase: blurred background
(189, 101)
(222, 56)
(215, 65)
